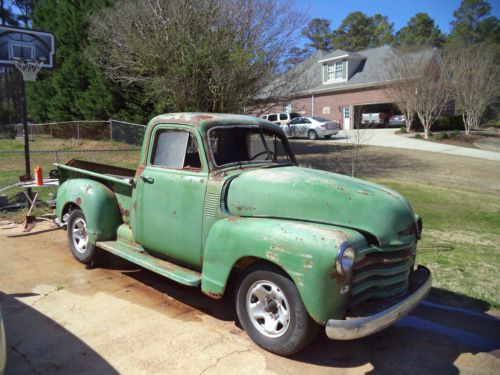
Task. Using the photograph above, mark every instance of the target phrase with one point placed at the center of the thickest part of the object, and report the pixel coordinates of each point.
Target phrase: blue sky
(398, 11)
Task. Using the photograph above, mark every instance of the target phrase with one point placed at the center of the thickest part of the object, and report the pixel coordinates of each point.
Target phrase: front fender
(98, 203)
(305, 251)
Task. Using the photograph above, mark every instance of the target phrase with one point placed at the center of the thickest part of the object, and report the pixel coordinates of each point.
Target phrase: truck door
(170, 196)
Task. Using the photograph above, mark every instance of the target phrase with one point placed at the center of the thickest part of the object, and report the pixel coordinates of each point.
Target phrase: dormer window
(334, 71)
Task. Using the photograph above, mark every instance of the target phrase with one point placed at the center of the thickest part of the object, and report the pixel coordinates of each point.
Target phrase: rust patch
(334, 275)
(139, 171)
(213, 294)
(363, 192)
(308, 263)
(244, 263)
(125, 214)
(134, 205)
(202, 117)
(234, 219)
(79, 201)
(271, 255)
(278, 249)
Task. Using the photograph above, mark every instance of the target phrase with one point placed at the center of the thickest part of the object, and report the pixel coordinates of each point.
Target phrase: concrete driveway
(387, 138)
(64, 319)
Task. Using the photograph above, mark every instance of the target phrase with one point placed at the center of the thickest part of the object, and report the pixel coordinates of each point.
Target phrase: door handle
(147, 179)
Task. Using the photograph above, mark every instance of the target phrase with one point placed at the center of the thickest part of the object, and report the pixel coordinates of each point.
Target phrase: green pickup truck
(220, 197)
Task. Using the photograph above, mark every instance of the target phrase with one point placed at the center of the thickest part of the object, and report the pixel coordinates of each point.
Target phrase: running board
(137, 255)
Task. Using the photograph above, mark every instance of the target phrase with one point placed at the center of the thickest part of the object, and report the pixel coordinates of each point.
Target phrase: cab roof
(204, 121)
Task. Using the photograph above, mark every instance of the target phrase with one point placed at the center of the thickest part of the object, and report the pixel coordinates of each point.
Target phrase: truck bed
(97, 170)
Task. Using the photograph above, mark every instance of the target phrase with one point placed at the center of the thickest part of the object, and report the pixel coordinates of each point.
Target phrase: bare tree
(420, 82)
(357, 138)
(400, 90)
(475, 79)
(195, 55)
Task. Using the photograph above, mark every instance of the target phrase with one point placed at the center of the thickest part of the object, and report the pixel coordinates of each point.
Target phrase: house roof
(372, 69)
(341, 53)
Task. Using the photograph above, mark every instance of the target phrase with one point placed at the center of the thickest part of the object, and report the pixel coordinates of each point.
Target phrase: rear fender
(306, 252)
(98, 203)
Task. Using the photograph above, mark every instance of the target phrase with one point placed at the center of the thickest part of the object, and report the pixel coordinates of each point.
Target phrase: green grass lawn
(461, 237)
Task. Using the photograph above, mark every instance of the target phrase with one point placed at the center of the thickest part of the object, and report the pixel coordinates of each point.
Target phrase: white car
(311, 127)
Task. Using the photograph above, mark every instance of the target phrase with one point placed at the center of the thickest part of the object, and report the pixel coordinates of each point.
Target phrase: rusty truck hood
(317, 196)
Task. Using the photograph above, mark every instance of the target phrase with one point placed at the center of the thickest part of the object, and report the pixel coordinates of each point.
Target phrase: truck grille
(380, 274)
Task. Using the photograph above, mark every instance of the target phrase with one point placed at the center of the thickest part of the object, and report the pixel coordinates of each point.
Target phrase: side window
(272, 118)
(306, 121)
(176, 149)
(283, 116)
(294, 121)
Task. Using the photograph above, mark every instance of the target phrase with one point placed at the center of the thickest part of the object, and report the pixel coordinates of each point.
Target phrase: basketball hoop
(29, 68)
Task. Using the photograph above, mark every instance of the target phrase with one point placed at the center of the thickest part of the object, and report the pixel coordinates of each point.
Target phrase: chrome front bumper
(354, 328)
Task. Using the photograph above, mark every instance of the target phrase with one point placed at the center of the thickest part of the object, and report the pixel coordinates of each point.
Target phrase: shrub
(418, 136)
(455, 133)
(448, 123)
(402, 130)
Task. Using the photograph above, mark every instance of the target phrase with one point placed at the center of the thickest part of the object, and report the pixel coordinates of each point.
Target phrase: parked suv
(281, 118)
(375, 119)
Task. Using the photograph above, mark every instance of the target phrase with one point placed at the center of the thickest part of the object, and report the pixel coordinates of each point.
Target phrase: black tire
(328, 136)
(312, 135)
(82, 249)
(289, 338)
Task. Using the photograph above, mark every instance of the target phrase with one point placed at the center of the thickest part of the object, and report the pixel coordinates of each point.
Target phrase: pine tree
(76, 89)
(420, 31)
(359, 31)
(474, 24)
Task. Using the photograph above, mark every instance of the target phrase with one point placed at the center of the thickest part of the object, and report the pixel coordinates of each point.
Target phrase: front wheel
(272, 313)
(78, 238)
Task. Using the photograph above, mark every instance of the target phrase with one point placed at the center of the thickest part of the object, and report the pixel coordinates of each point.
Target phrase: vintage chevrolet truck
(220, 197)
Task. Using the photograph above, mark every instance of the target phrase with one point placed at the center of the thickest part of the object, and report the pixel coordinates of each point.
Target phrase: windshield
(240, 145)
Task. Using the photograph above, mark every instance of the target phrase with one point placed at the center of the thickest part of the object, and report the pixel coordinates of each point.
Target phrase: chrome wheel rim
(268, 308)
(80, 237)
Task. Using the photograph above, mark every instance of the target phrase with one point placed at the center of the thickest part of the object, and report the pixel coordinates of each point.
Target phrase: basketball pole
(26, 135)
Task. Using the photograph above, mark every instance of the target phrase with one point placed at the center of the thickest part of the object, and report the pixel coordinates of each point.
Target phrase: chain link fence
(109, 142)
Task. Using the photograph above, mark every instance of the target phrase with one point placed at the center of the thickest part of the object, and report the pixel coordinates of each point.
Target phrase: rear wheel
(312, 135)
(271, 311)
(78, 238)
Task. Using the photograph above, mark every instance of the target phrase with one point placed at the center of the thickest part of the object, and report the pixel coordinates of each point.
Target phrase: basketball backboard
(17, 44)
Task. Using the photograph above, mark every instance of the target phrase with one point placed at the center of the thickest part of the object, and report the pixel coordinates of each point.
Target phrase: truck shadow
(445, 326)
(37, 344)
(429, 340)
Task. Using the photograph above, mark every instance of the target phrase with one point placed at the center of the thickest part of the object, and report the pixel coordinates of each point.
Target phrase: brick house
(334, 85)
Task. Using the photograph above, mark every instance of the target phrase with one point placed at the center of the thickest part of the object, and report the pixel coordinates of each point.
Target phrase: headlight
(345, 259)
